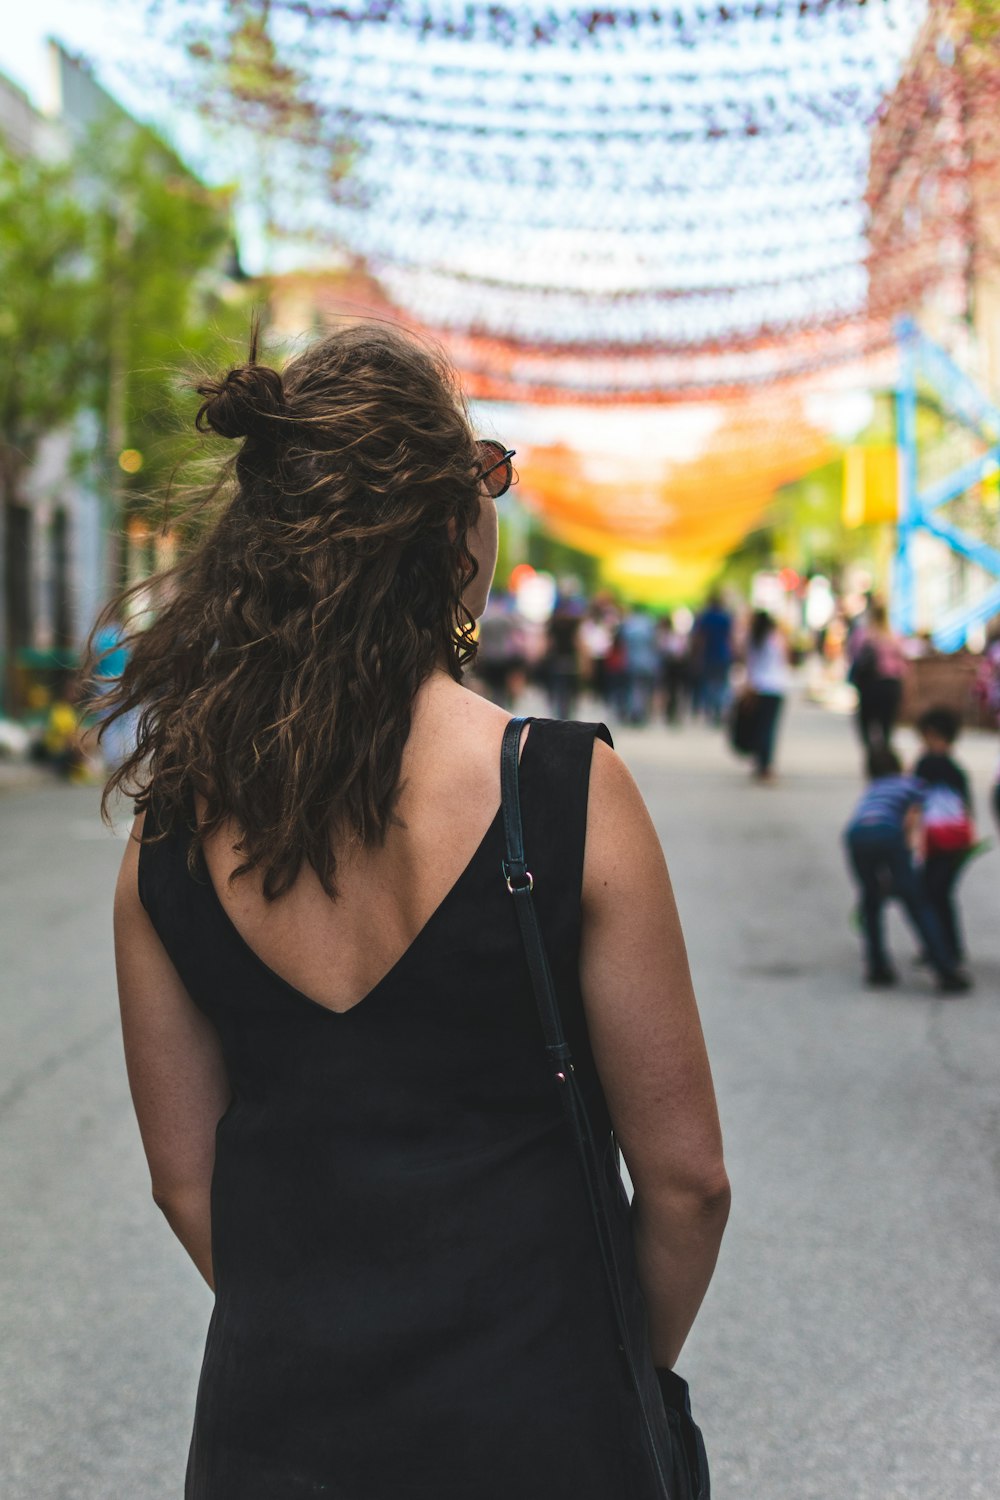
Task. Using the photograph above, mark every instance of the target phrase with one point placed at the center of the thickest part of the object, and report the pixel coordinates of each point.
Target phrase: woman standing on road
(333, 1048)
(767, 680)
(878, 670)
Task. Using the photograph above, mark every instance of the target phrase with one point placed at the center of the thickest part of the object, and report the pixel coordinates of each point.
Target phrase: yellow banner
(871, 484)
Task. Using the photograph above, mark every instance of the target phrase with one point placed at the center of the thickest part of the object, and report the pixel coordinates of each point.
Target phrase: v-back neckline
(392, 972)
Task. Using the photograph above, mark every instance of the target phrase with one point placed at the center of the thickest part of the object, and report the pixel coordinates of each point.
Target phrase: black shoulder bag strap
(520, 884)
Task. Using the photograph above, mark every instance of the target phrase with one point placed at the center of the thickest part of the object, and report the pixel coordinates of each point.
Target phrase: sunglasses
(496, 471)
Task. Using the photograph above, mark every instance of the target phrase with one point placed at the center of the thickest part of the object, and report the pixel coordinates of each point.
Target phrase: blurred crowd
(721, 664)
(639, 663)
(912, 833)
(730, 664)
(727, 663)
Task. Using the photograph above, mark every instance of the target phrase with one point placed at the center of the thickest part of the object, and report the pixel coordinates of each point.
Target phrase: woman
(331, 1040)
(878, 671)
(562, 657)
(596, 636)
(767, 680)
(638, 633)
(672, 647)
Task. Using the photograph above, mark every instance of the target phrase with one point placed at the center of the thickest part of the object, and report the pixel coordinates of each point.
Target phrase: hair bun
(244, 403)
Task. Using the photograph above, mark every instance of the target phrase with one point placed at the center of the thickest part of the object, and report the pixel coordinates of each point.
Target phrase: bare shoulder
(622, 843)
(481, 720)
(455, 739)
(610, 777)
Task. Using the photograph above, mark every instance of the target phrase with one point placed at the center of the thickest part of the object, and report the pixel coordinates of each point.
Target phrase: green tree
(45, 314)
(46, 326)
(116, 282)
(166, 303)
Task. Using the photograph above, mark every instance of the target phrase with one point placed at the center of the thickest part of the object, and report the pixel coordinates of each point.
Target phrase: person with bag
(878, 672)
(766, 686)
(398, 975)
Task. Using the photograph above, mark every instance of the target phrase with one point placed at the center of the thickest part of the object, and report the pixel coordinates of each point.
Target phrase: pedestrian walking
(767, 681)
(949, 832)
(497, 650)
(878, 671)
(562, 658)
(335, 1053)
(615, 676)
(879, 838)
(596, 637)
(672, 649)
(641, 662)
(712, 654)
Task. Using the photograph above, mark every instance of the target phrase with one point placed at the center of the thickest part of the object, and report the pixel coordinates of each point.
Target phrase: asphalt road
(850, 1345)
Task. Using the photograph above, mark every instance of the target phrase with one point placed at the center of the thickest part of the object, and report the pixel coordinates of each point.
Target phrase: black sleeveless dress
(409, 1299)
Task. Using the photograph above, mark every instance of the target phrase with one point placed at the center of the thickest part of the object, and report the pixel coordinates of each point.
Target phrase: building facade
(934, 233)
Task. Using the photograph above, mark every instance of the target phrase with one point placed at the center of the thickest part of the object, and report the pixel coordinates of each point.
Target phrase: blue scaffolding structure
(922, 362)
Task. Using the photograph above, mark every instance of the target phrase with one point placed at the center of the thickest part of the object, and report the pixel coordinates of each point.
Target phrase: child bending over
(878, 838)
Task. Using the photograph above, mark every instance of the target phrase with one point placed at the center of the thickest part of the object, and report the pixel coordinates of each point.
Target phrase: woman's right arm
(650, 1053)
(176, 1070)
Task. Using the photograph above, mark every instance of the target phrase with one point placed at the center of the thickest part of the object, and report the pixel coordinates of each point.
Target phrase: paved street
(850, 1346)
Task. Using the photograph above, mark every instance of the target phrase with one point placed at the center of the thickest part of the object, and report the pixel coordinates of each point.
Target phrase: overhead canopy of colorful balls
(652, 205)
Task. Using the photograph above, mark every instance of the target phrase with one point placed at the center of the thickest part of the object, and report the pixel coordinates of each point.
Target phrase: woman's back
(398, 1227)
(337, 951)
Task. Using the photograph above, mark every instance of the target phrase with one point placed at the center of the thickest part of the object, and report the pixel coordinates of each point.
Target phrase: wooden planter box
(945, 682)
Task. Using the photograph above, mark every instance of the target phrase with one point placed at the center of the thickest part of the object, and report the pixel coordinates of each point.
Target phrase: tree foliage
(165, 298)
(115, 284)
(46, 313)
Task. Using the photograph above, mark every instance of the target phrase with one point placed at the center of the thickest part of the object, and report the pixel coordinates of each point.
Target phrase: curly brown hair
(278, 674)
